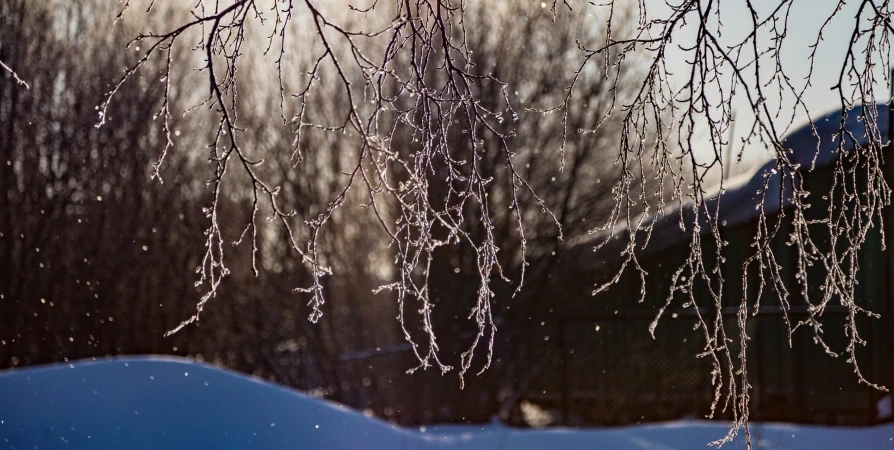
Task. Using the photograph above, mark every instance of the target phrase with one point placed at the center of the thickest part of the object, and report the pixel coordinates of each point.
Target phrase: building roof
(741, 200)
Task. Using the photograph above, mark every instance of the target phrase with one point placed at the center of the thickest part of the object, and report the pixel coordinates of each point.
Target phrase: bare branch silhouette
(411, 96)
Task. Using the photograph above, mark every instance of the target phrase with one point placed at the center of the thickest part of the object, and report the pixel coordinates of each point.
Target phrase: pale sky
(805, 20)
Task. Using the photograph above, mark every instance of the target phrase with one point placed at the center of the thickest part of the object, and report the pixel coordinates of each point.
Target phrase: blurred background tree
(98, 254)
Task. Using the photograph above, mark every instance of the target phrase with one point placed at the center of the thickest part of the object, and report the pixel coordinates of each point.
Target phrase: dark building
(607, 369)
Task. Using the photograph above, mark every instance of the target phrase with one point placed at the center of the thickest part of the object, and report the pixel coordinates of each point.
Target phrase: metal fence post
(564, 363)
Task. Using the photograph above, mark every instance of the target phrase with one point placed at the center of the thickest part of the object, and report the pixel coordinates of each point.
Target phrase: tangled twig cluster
(414, 79)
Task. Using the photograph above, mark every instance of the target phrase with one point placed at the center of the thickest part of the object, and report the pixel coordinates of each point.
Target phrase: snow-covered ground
(135, 403)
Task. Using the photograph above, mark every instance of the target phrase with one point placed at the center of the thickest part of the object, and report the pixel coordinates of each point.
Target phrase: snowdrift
(137, 403)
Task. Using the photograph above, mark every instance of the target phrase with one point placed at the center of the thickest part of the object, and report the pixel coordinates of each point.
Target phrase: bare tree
(413, 77)
(92, 248)
(401, 87)
(573, 174)
(753, 68)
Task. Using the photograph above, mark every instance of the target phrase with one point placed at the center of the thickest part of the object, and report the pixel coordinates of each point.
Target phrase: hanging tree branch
(412, 88)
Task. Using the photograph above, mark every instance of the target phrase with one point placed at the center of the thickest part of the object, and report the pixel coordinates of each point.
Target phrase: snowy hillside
(138, 403)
